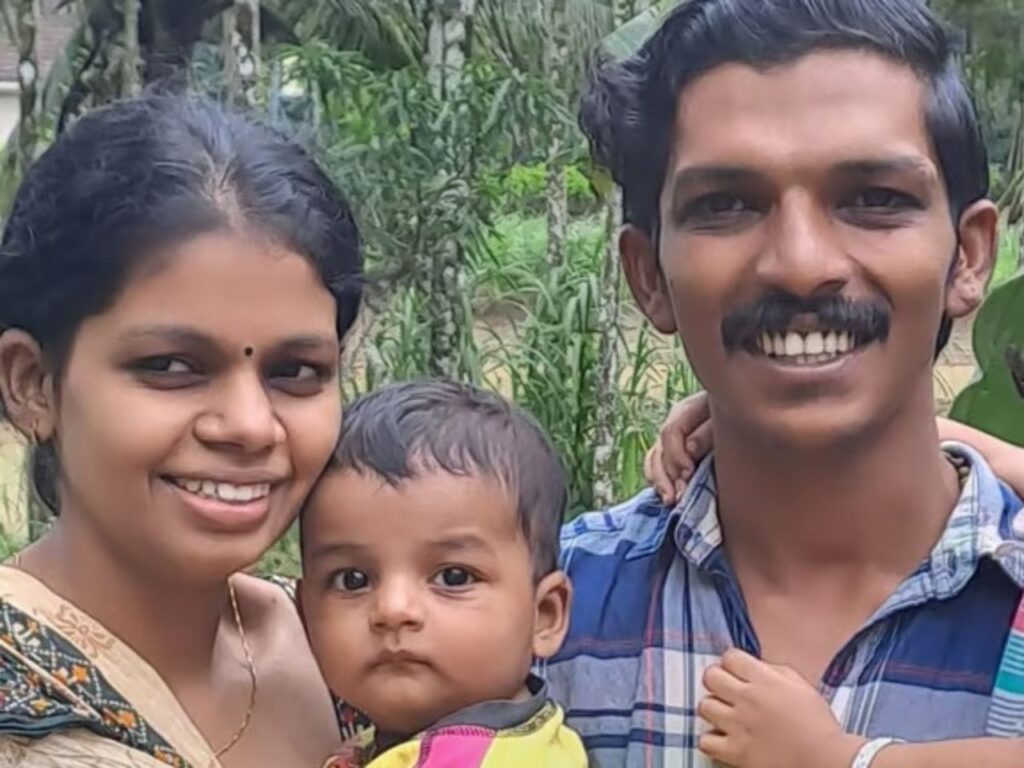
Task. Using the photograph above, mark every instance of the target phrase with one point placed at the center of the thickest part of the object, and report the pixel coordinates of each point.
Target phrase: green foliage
(995, 402)
(1008, 259)
(514, 255)
(523, 188)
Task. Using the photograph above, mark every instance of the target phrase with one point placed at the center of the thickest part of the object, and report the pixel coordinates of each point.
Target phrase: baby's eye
(454, 578)
(350, 580)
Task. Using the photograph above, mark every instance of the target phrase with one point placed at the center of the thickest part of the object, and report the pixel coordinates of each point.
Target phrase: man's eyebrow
(698, 176)
(878, 166)
(710, 175)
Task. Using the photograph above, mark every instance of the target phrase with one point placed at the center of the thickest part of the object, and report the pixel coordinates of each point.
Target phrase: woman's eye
(299, 379)
(164, 364)
(295, 371)
(454, 577)
(351, 580)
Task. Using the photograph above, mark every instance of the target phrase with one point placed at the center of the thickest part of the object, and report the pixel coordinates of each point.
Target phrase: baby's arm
(769, 717)
(764, 716)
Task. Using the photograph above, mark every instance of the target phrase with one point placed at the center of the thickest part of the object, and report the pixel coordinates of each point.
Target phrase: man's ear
(975, 258)
(640, 261)
(26, 386)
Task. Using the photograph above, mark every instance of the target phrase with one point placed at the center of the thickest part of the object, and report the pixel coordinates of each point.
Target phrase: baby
(430, 579)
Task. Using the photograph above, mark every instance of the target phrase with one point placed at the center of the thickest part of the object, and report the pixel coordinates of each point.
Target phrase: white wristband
(867, 754)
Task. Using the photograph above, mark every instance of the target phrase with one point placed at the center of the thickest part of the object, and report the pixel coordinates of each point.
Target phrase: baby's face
(419, 600)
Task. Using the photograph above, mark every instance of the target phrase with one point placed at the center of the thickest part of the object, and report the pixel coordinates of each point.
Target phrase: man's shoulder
(637, 525)
(611, 558)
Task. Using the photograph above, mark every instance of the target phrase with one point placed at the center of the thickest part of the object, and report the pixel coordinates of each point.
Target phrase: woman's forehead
(225, 284)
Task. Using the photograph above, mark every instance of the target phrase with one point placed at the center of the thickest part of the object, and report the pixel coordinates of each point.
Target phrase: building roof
(55, 27)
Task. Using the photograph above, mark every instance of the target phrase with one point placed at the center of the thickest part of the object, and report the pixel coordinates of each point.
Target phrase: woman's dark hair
(629, 107)
(147, 172)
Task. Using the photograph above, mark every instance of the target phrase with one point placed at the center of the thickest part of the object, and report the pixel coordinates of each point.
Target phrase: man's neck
(876, 504)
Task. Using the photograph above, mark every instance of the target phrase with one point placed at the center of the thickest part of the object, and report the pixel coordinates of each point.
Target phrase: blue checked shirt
(656, 603)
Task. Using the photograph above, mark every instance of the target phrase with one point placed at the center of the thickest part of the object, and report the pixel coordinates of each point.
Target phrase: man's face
(806, 246)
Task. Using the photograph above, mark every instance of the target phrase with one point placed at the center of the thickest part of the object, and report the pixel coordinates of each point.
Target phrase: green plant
(995, 401)
(1008, 259)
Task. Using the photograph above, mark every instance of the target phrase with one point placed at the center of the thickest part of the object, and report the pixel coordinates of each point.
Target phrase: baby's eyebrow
(462, 542)
(337, 549)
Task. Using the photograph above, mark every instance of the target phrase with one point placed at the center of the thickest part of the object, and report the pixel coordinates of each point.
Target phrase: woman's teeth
(811, 348)
(236, 494)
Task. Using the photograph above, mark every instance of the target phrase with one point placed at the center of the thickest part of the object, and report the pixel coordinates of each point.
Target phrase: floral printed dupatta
(72, 694)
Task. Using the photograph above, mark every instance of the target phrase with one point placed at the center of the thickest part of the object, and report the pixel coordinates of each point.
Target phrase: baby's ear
(553, 606)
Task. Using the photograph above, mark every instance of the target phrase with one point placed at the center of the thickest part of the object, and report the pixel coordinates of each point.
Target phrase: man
(804, 188)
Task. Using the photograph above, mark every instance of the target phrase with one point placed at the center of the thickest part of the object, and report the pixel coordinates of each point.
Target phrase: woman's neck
(172, 626)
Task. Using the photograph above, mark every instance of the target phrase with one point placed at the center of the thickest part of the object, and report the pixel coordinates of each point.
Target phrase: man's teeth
(807, 348)
(238, 494)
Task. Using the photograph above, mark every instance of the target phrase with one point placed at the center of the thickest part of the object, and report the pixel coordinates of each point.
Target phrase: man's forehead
(821, 109)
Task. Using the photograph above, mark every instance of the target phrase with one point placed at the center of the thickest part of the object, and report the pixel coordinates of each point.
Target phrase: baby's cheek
(330, 636)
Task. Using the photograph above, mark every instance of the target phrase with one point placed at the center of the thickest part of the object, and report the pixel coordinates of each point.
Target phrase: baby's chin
(396, 729)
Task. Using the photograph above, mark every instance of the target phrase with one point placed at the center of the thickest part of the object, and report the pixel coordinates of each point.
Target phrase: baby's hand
(765, 716)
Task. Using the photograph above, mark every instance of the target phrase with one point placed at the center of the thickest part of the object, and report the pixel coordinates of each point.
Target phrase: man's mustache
(773, 314)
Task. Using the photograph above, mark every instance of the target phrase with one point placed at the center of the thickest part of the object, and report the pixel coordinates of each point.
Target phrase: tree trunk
(132, 55)
(556, 196)
(447, 51)
(448, 44)
(609, 318)
(241, 23)
(26, 16)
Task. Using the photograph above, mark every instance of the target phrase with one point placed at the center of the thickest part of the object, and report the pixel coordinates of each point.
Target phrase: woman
(175, 285)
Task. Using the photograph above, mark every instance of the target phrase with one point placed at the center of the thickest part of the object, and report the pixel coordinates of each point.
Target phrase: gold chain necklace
(250, 663)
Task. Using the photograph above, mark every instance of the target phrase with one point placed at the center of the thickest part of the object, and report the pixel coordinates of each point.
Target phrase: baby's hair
(402, 431)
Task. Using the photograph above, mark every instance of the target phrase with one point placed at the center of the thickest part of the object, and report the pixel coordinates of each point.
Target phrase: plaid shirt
(656, 603)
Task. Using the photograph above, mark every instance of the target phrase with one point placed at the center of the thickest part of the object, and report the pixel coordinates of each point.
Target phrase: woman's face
(195, 414)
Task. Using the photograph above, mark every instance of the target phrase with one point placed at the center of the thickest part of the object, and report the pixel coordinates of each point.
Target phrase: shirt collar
(501, 714)
(983, 525)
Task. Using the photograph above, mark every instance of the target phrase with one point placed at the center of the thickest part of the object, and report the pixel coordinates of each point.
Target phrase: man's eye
(880, 198)
(720, 203)
(717, 209)
(454, 577)
(351, 580)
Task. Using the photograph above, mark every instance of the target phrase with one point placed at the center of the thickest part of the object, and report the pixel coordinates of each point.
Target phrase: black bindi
(248, 351)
